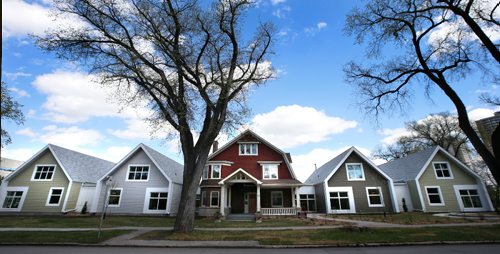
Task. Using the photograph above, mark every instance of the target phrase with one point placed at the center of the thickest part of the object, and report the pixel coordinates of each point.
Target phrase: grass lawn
(38, 237)
(340, 236)
(141, 221)
(413, 218)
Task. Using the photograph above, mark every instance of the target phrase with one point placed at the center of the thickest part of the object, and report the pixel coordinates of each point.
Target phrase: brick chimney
(215, 146)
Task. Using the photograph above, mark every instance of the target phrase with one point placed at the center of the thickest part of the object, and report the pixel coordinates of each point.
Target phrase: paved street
(417, 249)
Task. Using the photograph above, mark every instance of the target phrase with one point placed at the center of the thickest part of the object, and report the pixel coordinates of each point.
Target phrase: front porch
(243, 194)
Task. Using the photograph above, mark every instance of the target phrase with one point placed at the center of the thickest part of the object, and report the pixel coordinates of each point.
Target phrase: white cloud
(276, 2)
(20, 18)
(73, 97)
(15, 75)
(480, 113)
(315, 29)
(26, 132)
(22, 154)
(19, 92)
(304, 164)
(72, 137)
(492, 90)
(282, 12)
(392, 135)
(294, 125)
(31, 113)
(113, 153)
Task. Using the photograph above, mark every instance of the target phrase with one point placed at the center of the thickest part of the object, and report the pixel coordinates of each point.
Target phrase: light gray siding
(175, 198)
(134, 192)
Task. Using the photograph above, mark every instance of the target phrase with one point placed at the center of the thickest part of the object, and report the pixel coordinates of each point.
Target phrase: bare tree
(10, 111)
(435, 130)
(439, 46)
(192, 64)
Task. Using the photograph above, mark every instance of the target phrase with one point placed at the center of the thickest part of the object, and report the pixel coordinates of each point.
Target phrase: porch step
(240, 217)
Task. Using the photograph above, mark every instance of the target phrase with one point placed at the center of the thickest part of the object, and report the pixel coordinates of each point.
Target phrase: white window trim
(277, 171)
(119, 200)
(218, 198)
(137, 165)
(440, 196)
(381, 197)
(43, 165)
(50, 194)
(435, 171)
(457, 189)
(248, 143)
(202, 199)
(350, 195)
(212, 171)
(205, 169)
(362, 171)
(307, 200)
(147, 197)
(24, 189)
(282, 199)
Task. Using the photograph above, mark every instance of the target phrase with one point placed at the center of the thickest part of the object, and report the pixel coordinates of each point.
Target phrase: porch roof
(282, 182)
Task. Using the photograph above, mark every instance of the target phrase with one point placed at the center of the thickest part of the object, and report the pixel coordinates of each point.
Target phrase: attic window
(355, 172)
(44, 172)
(248, 149)
(138, 173)
(442, 170)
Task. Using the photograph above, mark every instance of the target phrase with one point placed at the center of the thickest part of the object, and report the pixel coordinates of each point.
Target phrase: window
(339, 200)
(470, 198)
(248, 149)
(442, 170)
(114, 197)
(276, 198)
(138, 173)
(54, 198)
(158, 201)
(374, 195)
(308, 202)
(216, 171)
(355, 172)
(270, 171)
(12, 199)
(44, 172)
(205, 173)
(214, 198)
(434, 195)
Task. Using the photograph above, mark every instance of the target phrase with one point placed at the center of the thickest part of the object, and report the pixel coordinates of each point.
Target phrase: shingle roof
(319, 175)
(80, 167)
(171, 168)
(407, 168)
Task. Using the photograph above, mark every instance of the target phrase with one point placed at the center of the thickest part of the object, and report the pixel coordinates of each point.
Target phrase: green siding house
(351, 183)
(55, 180)
(433, 180)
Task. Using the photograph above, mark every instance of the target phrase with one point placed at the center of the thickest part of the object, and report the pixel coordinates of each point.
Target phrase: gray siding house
(144, 182)
(54, 180)
(351, 183)
(433, 180)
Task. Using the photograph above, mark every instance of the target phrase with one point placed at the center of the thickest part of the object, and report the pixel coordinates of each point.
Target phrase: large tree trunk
(464, 123)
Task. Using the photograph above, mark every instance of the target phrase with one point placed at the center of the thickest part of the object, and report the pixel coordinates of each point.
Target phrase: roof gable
(172, 170)
(326, 171)
(76, 166)
(244, 134)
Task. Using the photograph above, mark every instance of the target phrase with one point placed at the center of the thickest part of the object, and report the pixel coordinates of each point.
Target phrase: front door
(252, 202)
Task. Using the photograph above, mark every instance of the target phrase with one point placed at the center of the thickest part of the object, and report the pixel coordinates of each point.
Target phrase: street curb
(353, 245)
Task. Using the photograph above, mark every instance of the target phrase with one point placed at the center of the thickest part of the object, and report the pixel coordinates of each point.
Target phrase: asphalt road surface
(417, 249)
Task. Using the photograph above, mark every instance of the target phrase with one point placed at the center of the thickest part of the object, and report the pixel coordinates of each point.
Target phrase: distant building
(486, 127)
(8, 165)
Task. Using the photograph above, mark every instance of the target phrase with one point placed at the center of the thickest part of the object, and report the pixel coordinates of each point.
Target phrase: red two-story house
(246, 176)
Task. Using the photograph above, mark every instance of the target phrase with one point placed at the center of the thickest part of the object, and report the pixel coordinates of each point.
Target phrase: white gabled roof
(76, 166)
(172, 170)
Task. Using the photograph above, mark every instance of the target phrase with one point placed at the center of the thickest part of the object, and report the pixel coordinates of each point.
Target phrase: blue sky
(308, 110)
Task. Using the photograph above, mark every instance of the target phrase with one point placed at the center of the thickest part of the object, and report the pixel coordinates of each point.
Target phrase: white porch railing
(279, 211)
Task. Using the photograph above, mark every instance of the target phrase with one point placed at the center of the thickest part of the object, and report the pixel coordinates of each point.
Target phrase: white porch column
(258, 198)
(292, 190)
(297, 196)
(222, 199)
(229, 196)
